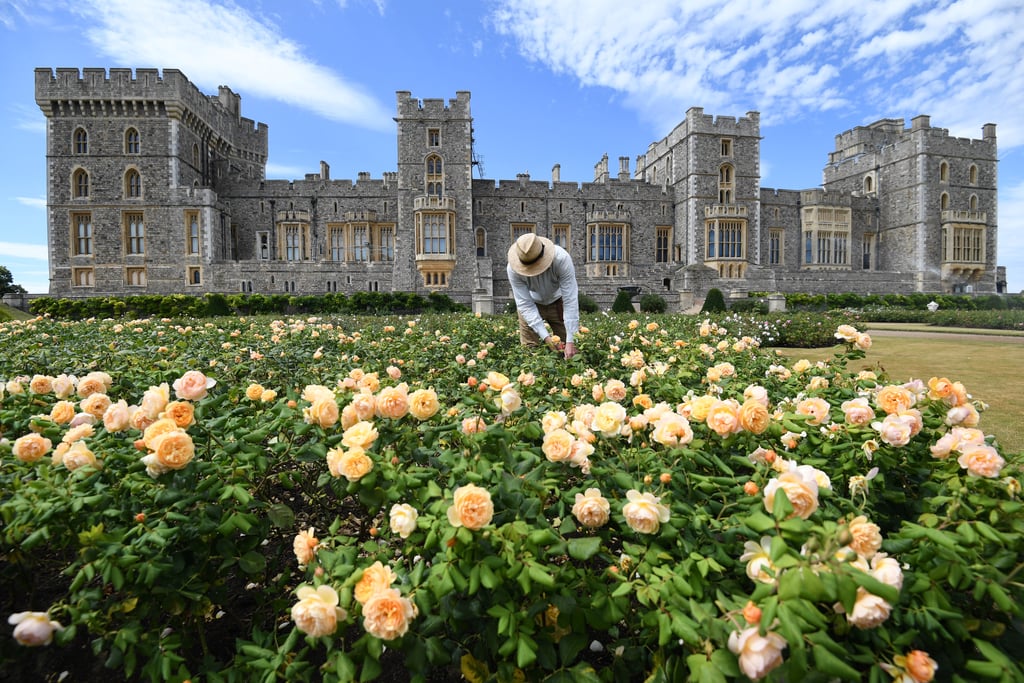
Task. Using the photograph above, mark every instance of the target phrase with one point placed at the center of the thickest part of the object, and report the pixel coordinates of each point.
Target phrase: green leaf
(252, 562)
(526, 652)
(828, 663)
(584, 548)
(281, 516)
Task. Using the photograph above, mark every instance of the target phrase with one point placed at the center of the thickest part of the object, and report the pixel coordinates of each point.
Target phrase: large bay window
(826, 237)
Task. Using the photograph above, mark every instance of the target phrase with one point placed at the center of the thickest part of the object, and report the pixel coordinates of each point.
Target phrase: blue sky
(552, 81)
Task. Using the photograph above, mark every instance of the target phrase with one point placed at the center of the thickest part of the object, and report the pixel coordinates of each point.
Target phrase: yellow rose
(893, 399)
(402, 519)
(154, 400)
(608, 418)
(360, 435)
(161, 426)
(79, 455)
(509, 400)
(181, 412)
(672, 429)
(63, 386)
(423, 404)
(62, 412)
(387, 614)
(314, 392)
(253, 392)
(471, 507)
(363, 406)
(759, 560)
(698, 407)
(375, 579)
(352, 464)
(323, 412)
(754, 416)
(31, 447)
(552, 420)
(802, 492)
(82, 431)
(591, 508)
(317, 612)
(644, 512)
(557, 446)
(496, 380)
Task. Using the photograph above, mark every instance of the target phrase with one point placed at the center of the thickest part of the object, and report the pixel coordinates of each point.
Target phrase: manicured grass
(991, 370)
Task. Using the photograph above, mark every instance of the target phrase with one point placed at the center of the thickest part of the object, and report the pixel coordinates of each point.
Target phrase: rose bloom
(353, 464)
(644, 512)
(31, 447)
(117, 416)
(801, 490)
(754, 416)
(981, 460)
(964, 414)
(697, 408)
(759, 560)
(393, 402)
(79, 432)
(41, 384)
(304, 546)
(171, 450)
(867, 537)
(254, 391)
(552, 420)
(95, 404)
(161, 426)
(608, 418)
(917, 665)
(387, 614)
(93, 383)
(193, 385)
(402, 519)
(323, 412)
(802, 365)
(615, 390)
(393, 372)
(672, 429)
(857, 412)
(471, 507)
(509, 400)
(887, 570)
(724, 417)
(314, 392)
(941, 389)
(848, 333)
(496, 380)
(360, 435)
(557, 446)
(181, 412)
(756, 392)
(375, 579)
(817, 383)
(892, 398)
(63, 386)
(894, 430)
(33, 629)
(423, 404)
(757, 654)
(473, 425)
(79, 455)
(364, 405)
(154, 400)
(591, 508)
(869, 610)
(62, 412)
(317, 613)
(817, 410)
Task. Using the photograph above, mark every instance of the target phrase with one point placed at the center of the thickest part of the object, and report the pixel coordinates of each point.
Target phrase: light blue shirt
(558, 281)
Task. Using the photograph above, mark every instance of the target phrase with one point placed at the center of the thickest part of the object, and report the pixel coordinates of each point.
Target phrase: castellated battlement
(148, 92)
(891, 136)
(409, 106)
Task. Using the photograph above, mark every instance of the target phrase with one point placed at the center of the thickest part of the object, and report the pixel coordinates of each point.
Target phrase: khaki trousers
(552, 315)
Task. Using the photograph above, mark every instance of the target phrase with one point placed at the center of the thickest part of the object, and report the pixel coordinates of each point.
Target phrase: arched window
(132, 184)
(974, 202)
(195, 155)
(869, 184)
(944, 201)
(973, 175)
(481, 243)
(131, 141)
(726, 184)
(944, 172)
(80, 183)
(81, 141)
(435, 176)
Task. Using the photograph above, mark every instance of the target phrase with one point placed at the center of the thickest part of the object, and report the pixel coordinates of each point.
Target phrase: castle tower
(435, 247)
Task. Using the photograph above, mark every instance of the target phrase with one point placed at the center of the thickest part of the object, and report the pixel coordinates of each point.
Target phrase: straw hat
(531, 254)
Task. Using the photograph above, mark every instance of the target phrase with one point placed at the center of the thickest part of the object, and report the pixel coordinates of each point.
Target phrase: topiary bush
(714, 302)
(623, 303)
(652, 303)
(588, 304)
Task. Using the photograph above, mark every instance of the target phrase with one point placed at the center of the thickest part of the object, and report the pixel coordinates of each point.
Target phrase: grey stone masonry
(156, 187)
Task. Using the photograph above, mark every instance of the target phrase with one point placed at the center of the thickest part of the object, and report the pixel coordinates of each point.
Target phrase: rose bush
(675, 502)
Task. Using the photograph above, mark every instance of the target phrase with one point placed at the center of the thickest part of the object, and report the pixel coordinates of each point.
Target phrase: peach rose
(724, 417)
(79, 455)
(756, 392)
(894, 430)
(608, 418)
(471, 507)
(154, 400)
(254, 391)
(857, 412)
(402, 519)
(697, 409)
(375, 579)
(644, 512)
(981, 460)
(552, 420)
(869, 610)
(363, 406)
(79, 432)
(387, 614)
(393, 402)
(801, 490)
(193, 385)
(893, 398)
(95, 404)
(63, 386)
(863, 341)
(817, 410)
(182, 412)
(964, 414)
(93, 383)
(62, 412)
(509, 400)
(161, 426)
(31, 447)
(887, 570)
(591, 508)
(41, 384)
(867, 537)
(496, 380)
(754, 416)
(352, 464)
(557, 446)
(848, 333)
(473, 425)
(757, 654)
(918, 665)
(423, 404)
(317, 392)
(117, 416)
(304, 546)
(171, 450)
(615, 390)
(33, 629)
(317, 613)
(360, 435)
(672, 429)
(323, 412)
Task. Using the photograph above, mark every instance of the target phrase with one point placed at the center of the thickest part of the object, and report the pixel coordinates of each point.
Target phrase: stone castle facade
(155, 187)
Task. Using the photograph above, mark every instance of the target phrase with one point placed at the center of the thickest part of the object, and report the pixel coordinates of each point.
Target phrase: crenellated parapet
(411, 107)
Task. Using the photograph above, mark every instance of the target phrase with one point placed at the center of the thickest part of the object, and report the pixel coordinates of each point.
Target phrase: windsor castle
(156, 187)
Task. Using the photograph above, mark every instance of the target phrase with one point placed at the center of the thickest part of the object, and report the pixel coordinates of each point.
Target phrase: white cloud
(22, 250)
(216, 43)
(34, 202)
(880, 58)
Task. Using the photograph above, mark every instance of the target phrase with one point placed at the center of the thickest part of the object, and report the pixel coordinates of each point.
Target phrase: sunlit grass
(991, 370)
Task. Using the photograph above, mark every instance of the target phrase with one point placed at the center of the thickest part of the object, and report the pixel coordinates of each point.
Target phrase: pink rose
(193, 386)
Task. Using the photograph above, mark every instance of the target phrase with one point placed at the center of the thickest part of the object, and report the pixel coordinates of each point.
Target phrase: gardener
(543, 281)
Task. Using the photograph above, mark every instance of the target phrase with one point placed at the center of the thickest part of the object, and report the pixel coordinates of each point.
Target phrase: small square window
(194, 275)
(434, 137)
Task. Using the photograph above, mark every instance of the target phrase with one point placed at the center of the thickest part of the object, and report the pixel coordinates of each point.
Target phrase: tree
(714, 302)
(7, 285)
